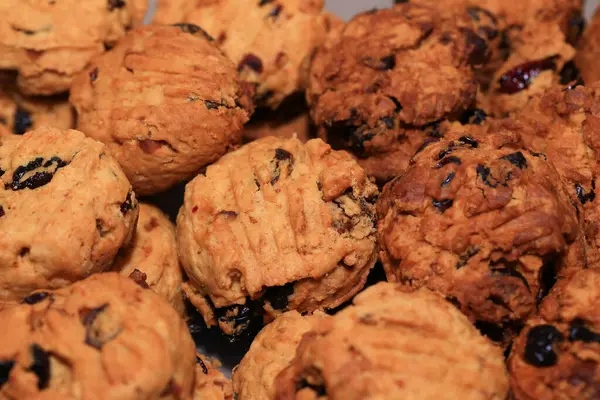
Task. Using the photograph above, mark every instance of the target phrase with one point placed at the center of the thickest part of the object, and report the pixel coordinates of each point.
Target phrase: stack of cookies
(401, 206)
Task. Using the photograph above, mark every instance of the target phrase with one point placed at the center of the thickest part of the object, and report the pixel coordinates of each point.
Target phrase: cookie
(395, 345)
(560, 125)
(49, 42)
(556, 356)
(100, 338)
(166, 103)
(275, 226)
(379, 85)
(210, 383)
(269, 41)
(291, 118)
(588, 51)
(484, 225)
(270, 353)
(152, 258)
(66, 209)
(19, 114)
(165, 12)
(540, 58)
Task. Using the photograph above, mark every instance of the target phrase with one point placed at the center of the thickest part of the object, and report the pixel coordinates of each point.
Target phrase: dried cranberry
(139, 277)
(520, 77)
(539, 349)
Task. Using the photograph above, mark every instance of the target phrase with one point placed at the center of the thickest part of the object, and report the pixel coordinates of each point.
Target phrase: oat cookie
(66, 208)
(152, 258)
(271, 351)
(588, 51)
(210, 383)
(19, 114)
(381, 83)
(165, 101)
(484, 225)
(392, 344)
(276, 225)
(101, 338)
(48, 42)
(557, 354)
(269, 41)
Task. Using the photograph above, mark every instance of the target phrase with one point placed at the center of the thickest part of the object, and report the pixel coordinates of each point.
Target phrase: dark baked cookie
(276, 225)
(392, 344)
(558, 353)
(165, 101)
(482, 224)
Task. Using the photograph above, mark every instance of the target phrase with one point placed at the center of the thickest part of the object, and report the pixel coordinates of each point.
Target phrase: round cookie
(276, 225)
(588, 51)
(484, 225)
(270, 42)
(165, 101)
(210, 383)
(19, 114)
(152, 258)
(101, 338)
(558, 352)
(395, 345)
(48, 42)
(270, 353)
(379, 85)
(66, 209)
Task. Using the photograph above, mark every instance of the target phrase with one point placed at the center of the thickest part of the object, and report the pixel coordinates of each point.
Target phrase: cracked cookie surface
(48, 42)
(101, 338)
(381, 81)
(152, 257)
(395, 345)
(276, 225)
(269, 41)
(66, 208)
(165, 101)
(271, 352)
(484, 225)
(558, 352)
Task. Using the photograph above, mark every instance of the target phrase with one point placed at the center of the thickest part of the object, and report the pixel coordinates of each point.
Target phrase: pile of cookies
(403, 205)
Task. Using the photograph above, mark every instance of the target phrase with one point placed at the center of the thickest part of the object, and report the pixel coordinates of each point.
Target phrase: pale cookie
(210, 383)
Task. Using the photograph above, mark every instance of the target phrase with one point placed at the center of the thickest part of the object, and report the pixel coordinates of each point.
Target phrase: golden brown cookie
(588, 51)
(66, 209)
(165, 101)
(269, 41)
(152, 258)
(276, 225)
(392, 344)
(19, 114)
(379, 85)
(482, 224)
(272, 350)
(558, 352)
(210, 383)
(48, 42)
(102, 338)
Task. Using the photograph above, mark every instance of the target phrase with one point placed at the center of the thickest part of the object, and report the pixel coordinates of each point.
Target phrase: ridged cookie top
(392, 345)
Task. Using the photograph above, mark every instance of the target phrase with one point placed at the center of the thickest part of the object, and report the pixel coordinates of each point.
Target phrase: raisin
(517, 159)
(211, 105)
(251, 61)
(505, 267)
(22, 121)
(357, 137)
(139, 277)
(476, 13)
(36, 297)
(264, 2)
(239, 315)
(448, 160)
(468, 141)
(2, 213)
(571, 76)
(492, 331)
(94, 74)
(442, 205)
(446, 151)
(426, 143)
(448, 179)
(388, 122)
(113, 4)
(93, 336)
(281, 155)
(127, 205)
(193, 30)
(39, 178)
(275, 11)
(278, 296)
(505, 44)
(486, 176)
(520, 77)
(479, 52)
(464, 258)
(474, 116)
(579, 332)
(202, 365)
(575, 28)
(5, 368)
(380, 64)
(539, 349)
(583, 196)
(40, 366)
(396, 103)
(546, 278)
(228, 214)
(533, 153)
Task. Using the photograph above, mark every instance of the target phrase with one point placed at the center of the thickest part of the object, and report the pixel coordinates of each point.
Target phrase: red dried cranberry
(520, 77)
